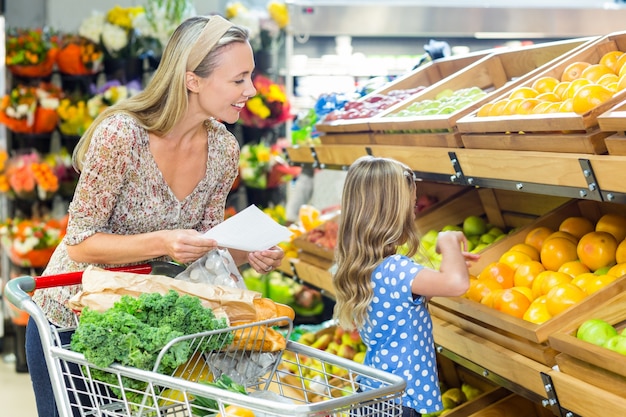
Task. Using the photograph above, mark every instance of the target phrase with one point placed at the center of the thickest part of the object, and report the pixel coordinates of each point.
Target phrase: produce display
(602, 333)
(445, 102)
(371, 104)
(581, 87)
(478, 232)
(553, 270)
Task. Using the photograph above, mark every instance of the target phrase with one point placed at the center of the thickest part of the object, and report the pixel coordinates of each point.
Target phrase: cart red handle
(73, 278)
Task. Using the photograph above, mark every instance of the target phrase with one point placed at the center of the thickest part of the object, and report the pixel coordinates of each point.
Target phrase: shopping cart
(297, 381)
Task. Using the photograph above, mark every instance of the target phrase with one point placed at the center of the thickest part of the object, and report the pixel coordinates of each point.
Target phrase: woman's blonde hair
(164, 102)
(377, 216)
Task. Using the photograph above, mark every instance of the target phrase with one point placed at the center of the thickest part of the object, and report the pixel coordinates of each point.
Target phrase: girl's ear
(191, 82)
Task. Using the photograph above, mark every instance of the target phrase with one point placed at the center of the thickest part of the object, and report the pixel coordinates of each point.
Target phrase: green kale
(135, 330)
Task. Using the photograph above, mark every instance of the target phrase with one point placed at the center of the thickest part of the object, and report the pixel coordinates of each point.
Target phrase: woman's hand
(186, 246)
(266, 260)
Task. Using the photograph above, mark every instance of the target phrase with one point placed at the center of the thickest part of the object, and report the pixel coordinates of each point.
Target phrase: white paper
(249, 230)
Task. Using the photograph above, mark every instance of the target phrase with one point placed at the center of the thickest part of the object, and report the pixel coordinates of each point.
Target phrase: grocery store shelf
(585, 176)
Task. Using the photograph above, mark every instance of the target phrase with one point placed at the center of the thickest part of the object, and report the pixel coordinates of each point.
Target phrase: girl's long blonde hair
(164, 102)
(377, 216)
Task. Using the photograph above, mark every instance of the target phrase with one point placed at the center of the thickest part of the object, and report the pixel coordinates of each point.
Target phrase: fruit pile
(371, 104)
(581, 87)
(454, 397)
(604, 334)
(553, 270)
(445, 102)
(478, 232)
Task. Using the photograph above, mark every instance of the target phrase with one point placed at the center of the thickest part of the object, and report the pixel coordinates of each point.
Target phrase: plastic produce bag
(216, 267)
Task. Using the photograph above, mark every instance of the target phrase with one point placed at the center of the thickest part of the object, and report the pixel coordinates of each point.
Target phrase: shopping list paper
(249, 230)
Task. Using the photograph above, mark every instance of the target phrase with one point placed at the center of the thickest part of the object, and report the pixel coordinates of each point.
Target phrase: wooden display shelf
(546, 169)
(315, 276)
(585, 399)
(523, 372)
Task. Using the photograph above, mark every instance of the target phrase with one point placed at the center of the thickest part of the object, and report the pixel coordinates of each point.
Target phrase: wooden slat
(585, 399)
(510, 365)
(599, 377)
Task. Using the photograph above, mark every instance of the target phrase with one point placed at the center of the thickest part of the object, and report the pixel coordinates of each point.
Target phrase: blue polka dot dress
(398, 335)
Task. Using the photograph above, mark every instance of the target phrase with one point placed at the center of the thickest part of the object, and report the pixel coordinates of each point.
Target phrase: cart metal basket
(298, 381)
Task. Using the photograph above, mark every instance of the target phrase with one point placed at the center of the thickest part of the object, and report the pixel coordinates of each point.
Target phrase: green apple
(451, 227)
(474, 225)
(429, 238)
(616, 344)
(596, 331)
(487, 238)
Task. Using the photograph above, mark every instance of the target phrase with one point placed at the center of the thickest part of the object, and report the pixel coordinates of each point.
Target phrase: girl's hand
(266, 260)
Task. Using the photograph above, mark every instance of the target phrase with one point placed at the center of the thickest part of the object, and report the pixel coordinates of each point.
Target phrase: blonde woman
(384, 294)
(155, 172)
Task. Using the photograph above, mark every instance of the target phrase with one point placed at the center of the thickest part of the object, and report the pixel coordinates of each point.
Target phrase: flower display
(266, 26)
(79, 55)
(26, 175)
(115, 31)
(31, 242)
(31, 109)
(74, 117)
(31, 52)
(269, 107)
(161, 18)
(109, 94)
(262, 166)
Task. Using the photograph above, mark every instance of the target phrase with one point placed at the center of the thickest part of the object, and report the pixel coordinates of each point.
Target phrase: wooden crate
(453, 376)
(516, 334)
(360, 138)
(590, 363)
(495, 74)
(424, 75)
(501, 208)
(614, 120)
(512, 406)
(554, 132)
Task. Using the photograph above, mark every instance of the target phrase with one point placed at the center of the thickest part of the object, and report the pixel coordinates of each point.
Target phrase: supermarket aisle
(16, 393)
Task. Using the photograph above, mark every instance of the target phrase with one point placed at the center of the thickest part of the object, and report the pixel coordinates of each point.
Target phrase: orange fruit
(511, 106)
(537, 312)
(556, 251)
(511, 302)
(608, 79)
(563, 296)
(528, 293)
(597, 250)
(497, 108)
(610, 59)
(514, 258)
(526, 273)
(309, 217)
(591, 282)
(527, 249)
(577, 226)
(488, 299)
(479, 288)
(544, 107)
(536, 236)
(595, 71)
(527, 105)
(621, 83)
(235, 410)
(575, 86)
(483, 111)
(612, 86)
(566, 235)
(574, 268)
(549, 96)
(523, 92)
(552, 279)
(500, 272)
(618, 270)
(544, 84)
(574, 70)
(620, 252)
(567, 105)
(561, 88)
(590, 96)
(619, 64)
(613, 223)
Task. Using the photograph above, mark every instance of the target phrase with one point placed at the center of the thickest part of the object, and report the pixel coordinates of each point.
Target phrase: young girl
(384, 294)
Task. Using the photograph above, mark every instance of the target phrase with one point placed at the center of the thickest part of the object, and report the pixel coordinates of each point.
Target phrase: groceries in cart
(216, 267)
